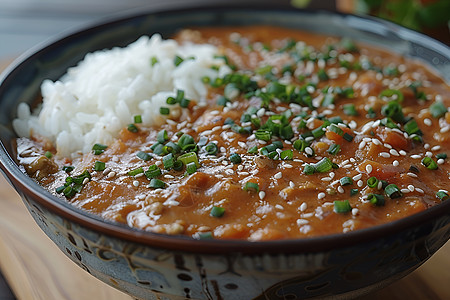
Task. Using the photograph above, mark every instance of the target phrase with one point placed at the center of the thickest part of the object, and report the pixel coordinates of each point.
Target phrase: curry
(308, 136)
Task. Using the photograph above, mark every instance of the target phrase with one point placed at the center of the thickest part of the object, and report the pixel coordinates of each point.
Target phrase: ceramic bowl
(155, 266)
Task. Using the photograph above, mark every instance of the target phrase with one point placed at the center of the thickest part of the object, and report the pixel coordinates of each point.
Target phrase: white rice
(93, 101)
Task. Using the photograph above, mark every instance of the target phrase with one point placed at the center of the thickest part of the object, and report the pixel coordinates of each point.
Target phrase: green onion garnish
(185, 140)
(328, 100)
(217, 212)
(132, 128)
(157, 184)
(411, 127)
(253, 150)
(348, 137)
(287, 155)
(168, 161)
(136, 171)
(350, 109)
(177, 60)
(429, 163)
(211, 149)
(235, 158)
(251, 187)
(323, 165)
(393, 94)
(372, 182)
(353, 192)
(346, 180)
(393, 191)
(143, 155)
(376, 199)
(99, 166)
(300, 145)
(68, 169)
(153, 60)
(336, 129)
(137, 119)
(334, 149)
(191, 168)
(164, 110)
(99, 148)
(441, 156)
(309, 169)
(188, 158)
(162, 136)
(342, 207)
(152, 172)
(443, 196)
(48, 154)
(437, 109)
(394, 111)
(322, 74)
(264, 135)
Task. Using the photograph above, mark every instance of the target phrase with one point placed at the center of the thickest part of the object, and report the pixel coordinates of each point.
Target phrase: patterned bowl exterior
(152, 266)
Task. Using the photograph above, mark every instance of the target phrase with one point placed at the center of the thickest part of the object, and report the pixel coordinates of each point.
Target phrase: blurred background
(25, 23)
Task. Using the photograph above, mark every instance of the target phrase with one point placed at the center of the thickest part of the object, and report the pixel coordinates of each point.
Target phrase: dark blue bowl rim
(26, 185)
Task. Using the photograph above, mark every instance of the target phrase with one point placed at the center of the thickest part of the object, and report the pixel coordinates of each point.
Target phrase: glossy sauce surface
(287, 203)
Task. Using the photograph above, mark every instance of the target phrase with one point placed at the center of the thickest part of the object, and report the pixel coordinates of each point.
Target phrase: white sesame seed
(416, 156)
(411, 175)
(242, 144)
(362, 145)
(388, 146)
(240, 167)
(436, 148)
(429, 154)
(302, 222)
(405, 191)
(229, 171)
(243, 173)
(261, 112)
(106, 171)
(440, 161)
(214, 112)
(426, 146)
(321, 195)
(419, 190)
(288, 166)
(326, 179)
(261, 195)
(304, 206)
(355, 211)
(384, 154)
(395, 163)
(376, 124)
(444, 129)
(223, 150)
(309, 151)
(347, 166)
(278, 175)
(309, 139)
(168, 176)
(376, 141)
(352, 125)
(340, 189)
(158, 163)
(360, 183)
(357, 177)
(427, 122)
(136, 183)
(411, 188)
(226, 126)
(402, 152)
(291, 184)
(369, 168)
(85, 180)
(111, 174)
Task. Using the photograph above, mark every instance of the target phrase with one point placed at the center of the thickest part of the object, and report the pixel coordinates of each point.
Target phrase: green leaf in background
(300, 3)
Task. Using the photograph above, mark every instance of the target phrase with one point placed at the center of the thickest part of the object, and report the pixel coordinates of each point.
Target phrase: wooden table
(36, 269)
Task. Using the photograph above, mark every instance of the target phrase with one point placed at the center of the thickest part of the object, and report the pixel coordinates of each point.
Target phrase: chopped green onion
(171, 100)
(178, 165)
(328, 100)
(60, 189)
(184, 103)
(99, 148)
(395, 95)
(318, 132)
(263, 135)
(168, 161)
(177, 60)
(372, 182)
(350, 109)
(346, 180)
(336, 129)
(68, 169)
(322, 74)
(334, 149)
(441, 156)
(371, 113)
(188, 158)
(132, 128)
(137, 119)
(217, 212)
(342, 207)
(48, 154)
(437, 109)
(287, 155)
(152, 172)
(347, 137)
(185, 140)
(376, 199)
(443, 196)
(251, 186)
(300, 145)
(323, 165)
(309, 169)
(411, 127)
(235, 158)
(394, 111)
(353, 192)
(136, 171)
(429, 163)
(204, 235)
(153, 60)
(231, 91)
(222, 101)
(69, 192)
(164, 110)
(349, 45)
(191, 168)
(157, 184)
(253, 150)
(99, 166)
(393, 191)
(144, 156)
(211, 149)
(162, 136)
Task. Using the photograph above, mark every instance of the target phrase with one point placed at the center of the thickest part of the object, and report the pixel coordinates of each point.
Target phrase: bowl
(155, 266)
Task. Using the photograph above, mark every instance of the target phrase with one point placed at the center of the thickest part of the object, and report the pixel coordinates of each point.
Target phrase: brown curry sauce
(289, 203)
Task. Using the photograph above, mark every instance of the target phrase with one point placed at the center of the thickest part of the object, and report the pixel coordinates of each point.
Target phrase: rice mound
(94, 100)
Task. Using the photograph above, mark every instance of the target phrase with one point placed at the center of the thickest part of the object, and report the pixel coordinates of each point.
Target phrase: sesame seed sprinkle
(321, 195)
(357, 176)
(402, 152)
(415, 156)
(355, 211)
(291, 185)
(411, 188)
(436, 148)
(369, 168)
(326, 179)
(136, 183)
(111, 174)
(440, 161)
(380, 185)
(340, 189)
(168, 176)
(427, 122)
(278, 175)
(360, 183)
(395, 163)
(410, 174)
(419, 190)
(384, 154)
(262, 194)
(85, 180)
(405, 191)
(304, 206)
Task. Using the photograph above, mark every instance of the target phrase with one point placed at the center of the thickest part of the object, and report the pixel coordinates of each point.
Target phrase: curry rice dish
(296, 136)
